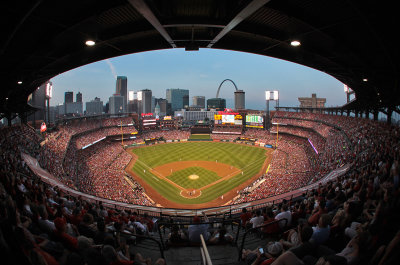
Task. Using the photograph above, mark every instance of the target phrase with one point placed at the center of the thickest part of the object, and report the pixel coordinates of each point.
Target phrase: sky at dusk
(201, 72)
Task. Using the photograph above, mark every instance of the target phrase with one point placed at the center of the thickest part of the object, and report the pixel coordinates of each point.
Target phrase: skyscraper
(153, 103)
(116, 104)
(68, 97)
(239, 99)
(163, 106)
(199, 101)
(132, 106)
(144, 101)
(122, 89)
(179, 98)
(216, 103)
(94, 107)
(79, 97)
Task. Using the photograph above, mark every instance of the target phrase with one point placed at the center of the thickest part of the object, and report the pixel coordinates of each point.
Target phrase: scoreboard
(254, 121)
(228, 119)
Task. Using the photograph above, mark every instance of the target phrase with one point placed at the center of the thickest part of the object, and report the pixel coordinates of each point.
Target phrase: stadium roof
(354, 41)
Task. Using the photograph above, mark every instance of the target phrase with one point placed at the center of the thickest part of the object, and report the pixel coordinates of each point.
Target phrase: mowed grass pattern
(245, 157)
(181, 177)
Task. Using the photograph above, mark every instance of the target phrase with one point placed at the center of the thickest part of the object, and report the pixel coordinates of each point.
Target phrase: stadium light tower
(274, 96)
(49, 95)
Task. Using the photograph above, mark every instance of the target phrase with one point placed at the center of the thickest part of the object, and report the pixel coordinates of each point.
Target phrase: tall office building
(68, 97)
(162, 102)
(239, 99)
(199, 101)
(153, 103)
(132, 101)
(75, 108)
(116, 104)
(122, 89)
(185, 101)
(133, 106)
(144, 101)
(216, 103)
(179, 98)
(94, 107)
(79, 97)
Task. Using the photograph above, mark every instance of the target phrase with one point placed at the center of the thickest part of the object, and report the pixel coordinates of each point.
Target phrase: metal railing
(205, 256)
(162, 226)
(142, 237)
(258, 230)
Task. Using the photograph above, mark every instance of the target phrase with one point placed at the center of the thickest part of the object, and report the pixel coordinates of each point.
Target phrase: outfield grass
(249, 159)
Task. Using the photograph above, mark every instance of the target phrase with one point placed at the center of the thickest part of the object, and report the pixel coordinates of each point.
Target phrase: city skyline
(201, 73)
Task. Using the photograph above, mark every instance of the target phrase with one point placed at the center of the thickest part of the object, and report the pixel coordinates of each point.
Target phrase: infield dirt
(216, 167)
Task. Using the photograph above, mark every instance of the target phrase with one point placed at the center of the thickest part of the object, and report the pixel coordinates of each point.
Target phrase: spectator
(197, 229)
(269, 218)
(264, 256)
(245, 217)
(284, 214)
(176, 235)
(257, 220)
(321, 232)
(220, 236)
(317, 212)
(69, 241)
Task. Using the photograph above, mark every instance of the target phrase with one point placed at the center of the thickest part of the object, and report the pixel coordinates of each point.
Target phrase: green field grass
(249, 159)
(205, 177)
(199, 136)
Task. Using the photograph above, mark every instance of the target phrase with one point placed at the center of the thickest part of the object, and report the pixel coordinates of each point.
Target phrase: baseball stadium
(295, 185)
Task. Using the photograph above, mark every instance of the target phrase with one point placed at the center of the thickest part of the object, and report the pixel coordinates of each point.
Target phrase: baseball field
(196, 173)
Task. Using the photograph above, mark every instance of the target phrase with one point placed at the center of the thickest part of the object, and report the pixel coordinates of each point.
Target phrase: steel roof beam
(242, 15)
(146, 12)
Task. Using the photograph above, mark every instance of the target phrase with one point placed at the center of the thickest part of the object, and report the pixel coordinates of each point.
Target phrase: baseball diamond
(167, 171)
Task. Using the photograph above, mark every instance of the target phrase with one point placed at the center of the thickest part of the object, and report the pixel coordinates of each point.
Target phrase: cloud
(112, 68)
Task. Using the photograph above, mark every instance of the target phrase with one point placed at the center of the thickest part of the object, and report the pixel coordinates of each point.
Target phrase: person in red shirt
(317, 212)
(147, 220)
(245, 217)
(69, 241)
(269, 218)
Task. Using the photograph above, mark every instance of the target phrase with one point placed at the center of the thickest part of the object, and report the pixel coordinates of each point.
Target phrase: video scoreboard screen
(228, 119)
(255, 121)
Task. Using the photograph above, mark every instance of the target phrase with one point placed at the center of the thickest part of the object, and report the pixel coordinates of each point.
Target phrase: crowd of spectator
(353, 219)
(321, 128)
(99, 170)
(171, 134)
(317, 140)
(53, 151)
(227, 129)
(92, 136)
(295, 165)
(39, 224)
(259, 134)
(229, 137)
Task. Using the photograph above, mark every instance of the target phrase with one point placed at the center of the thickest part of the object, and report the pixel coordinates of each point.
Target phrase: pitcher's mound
(193, 177)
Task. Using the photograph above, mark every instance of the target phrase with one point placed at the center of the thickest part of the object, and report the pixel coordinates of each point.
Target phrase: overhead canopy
(354, 41)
